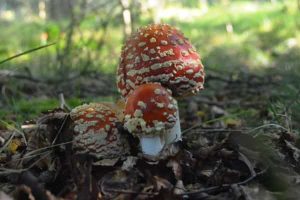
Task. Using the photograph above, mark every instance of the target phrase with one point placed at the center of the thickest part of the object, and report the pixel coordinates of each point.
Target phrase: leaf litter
(205, 165)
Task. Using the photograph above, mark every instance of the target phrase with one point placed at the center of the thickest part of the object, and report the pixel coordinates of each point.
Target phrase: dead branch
(12, 74)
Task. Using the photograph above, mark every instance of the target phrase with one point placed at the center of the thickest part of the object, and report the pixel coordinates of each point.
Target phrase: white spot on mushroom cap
(198, 74)
(129, 56)
(152, 51)
(89, 115)
(166, 53)
(184, 53)
(137, 59)
(139, 78)
(132, 124)
(138, 113)
(142, 104)
(190, 71)
(164, 42)
(157, 91)
(141, 44)
(160, 105)
(173, 42)
(145, 57)
(180, 41)
(130, 84)
(129, 66)
(152, 40)
(134, 72)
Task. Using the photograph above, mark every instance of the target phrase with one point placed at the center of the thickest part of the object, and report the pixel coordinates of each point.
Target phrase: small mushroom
(150, 114)
(160, 53)
(96, 133)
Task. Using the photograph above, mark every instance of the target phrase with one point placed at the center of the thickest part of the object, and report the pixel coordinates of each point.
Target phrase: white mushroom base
(152, 145)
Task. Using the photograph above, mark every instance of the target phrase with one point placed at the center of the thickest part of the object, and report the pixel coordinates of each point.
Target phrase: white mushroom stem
(174, 134)
(152, 145)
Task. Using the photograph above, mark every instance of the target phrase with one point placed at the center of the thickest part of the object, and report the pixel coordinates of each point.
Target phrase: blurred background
(250, 49)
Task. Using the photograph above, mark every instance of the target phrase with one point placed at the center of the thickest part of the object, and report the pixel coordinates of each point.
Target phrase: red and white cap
(96, 133)
(150, 110)
(160, 53)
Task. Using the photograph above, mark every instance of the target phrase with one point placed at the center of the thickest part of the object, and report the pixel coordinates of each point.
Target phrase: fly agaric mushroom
(96, 133)
(150, 114)
(160, 53)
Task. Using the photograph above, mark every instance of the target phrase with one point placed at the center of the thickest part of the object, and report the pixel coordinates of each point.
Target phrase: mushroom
(160, 53)
(150, 114)
(95, 132)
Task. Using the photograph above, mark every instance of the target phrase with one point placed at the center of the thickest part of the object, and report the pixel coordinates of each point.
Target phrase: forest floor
(225, 153)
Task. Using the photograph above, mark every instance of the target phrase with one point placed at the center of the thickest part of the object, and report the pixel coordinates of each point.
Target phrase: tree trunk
(127, 28)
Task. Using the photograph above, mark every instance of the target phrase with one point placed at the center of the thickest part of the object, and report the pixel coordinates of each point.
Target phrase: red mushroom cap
(150, 109)
(95, 131)
(160, 53)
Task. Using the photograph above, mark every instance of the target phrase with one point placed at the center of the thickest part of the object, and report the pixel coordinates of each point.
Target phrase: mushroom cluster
(157, 65)
(157, 53)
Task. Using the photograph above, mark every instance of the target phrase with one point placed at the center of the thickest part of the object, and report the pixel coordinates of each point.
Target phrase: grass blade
(26, 52)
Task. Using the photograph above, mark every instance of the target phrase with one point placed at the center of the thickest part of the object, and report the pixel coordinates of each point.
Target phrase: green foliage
(19, 110)
(23, 109)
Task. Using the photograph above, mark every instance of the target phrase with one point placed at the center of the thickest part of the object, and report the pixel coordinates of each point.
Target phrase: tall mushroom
(160, 53)
(96, 133)
(150, 114)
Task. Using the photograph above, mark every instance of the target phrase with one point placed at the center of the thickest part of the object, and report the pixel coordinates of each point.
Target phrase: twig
(131, 192)
(212, 120)
(247, 130)
(7, 142)
(37, 152)
(63, 104)
(243, 158)
(224, 186)
(266, 125)
(4, 171)
(48, 147)
(210, 130)
(60, 128)
(10, 127)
